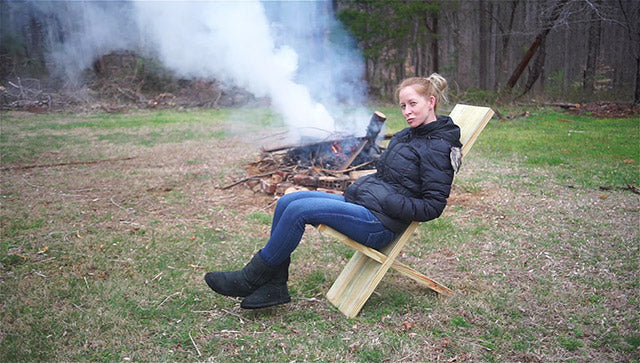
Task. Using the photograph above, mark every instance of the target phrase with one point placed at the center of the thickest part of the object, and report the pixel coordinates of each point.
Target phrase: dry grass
(105, 262)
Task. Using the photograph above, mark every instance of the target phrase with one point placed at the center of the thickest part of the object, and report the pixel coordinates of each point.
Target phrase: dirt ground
(527, 257)
(607, 110)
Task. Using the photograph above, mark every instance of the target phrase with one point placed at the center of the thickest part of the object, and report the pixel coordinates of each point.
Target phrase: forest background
(568, 51)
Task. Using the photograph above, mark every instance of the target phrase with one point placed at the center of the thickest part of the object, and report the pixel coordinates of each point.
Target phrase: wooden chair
(367, 267)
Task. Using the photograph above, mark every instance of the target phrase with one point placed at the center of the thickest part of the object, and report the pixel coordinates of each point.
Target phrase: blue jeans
(295, 210)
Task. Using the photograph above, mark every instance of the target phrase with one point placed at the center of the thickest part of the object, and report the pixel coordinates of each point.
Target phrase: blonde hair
(435, 85)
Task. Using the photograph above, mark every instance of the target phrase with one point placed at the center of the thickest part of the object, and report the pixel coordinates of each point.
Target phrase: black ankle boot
(243, 282)
(274, 292)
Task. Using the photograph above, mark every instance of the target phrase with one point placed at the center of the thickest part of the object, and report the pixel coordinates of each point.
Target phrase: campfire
(329, 166)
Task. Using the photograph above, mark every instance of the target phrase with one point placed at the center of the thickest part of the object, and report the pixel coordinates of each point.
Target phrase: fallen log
(248, 178)
(64, 164)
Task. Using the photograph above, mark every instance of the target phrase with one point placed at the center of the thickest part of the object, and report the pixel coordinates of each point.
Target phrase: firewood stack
(329, 166)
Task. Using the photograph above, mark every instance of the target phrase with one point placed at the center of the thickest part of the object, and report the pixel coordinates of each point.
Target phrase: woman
(412, 183)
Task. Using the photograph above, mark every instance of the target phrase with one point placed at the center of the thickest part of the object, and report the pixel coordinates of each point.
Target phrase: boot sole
(266, 304)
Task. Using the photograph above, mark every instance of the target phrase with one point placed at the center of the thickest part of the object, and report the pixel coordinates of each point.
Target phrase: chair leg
(420, 278)
(356, 283)
(365, 270)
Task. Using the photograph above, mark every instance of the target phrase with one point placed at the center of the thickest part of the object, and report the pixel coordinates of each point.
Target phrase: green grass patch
(261, 217)
(569, 343)
(577, 150)
(133, 121)
(26, 139)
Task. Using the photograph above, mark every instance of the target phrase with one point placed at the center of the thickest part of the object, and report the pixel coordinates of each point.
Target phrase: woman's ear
(432, 101)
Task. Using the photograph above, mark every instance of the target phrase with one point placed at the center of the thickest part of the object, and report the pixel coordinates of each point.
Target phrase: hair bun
(438, 82)
(440, 86)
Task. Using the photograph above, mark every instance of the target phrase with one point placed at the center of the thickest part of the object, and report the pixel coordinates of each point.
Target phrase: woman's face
(416, 108)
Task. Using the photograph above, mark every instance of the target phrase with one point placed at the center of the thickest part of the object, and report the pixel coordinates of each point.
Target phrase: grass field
(109, 222)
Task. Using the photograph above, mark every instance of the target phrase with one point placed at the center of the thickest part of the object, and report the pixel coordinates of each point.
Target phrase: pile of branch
(329, 166)
(24, 94)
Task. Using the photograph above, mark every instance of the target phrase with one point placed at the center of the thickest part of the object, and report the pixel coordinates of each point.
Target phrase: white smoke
(293, 53)
(78, 32)
(232, 41)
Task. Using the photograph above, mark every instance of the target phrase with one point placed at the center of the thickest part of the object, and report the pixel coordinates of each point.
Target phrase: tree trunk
(464, 44)
(630, 11)
(417, 51)
(636, 94)
(504, 54)
(483, 44)
(595, 26)
(537, 69)
(548, 25)
(435, 54)
(493, 46)
(400, 61)
(566, 63)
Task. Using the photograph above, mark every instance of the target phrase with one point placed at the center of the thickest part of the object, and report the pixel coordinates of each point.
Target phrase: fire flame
(335, 146)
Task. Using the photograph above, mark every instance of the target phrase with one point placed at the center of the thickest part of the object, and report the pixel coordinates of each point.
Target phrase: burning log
(338, 155)
(318, 165)
(375, 125)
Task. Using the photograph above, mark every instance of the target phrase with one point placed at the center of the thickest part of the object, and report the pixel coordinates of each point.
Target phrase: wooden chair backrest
(471, 120)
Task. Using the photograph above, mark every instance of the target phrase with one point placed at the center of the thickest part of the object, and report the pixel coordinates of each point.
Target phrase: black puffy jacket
(413, 177)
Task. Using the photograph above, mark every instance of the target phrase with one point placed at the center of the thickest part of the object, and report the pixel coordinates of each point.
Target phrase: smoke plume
(296, 54)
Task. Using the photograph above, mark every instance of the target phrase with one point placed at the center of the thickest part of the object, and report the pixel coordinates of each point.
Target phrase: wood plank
(346, 291)
(380, 258)
(471, 120)
(361, 276)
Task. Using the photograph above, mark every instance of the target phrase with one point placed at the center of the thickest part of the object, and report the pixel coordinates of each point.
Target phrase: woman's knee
(298, 207)
(288, 198)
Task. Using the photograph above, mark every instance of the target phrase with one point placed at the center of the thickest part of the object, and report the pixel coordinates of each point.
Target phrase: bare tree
(595, 28)
(630, 14)
(464, 44)
(503, 20)
(484, 17)
(548, 24)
